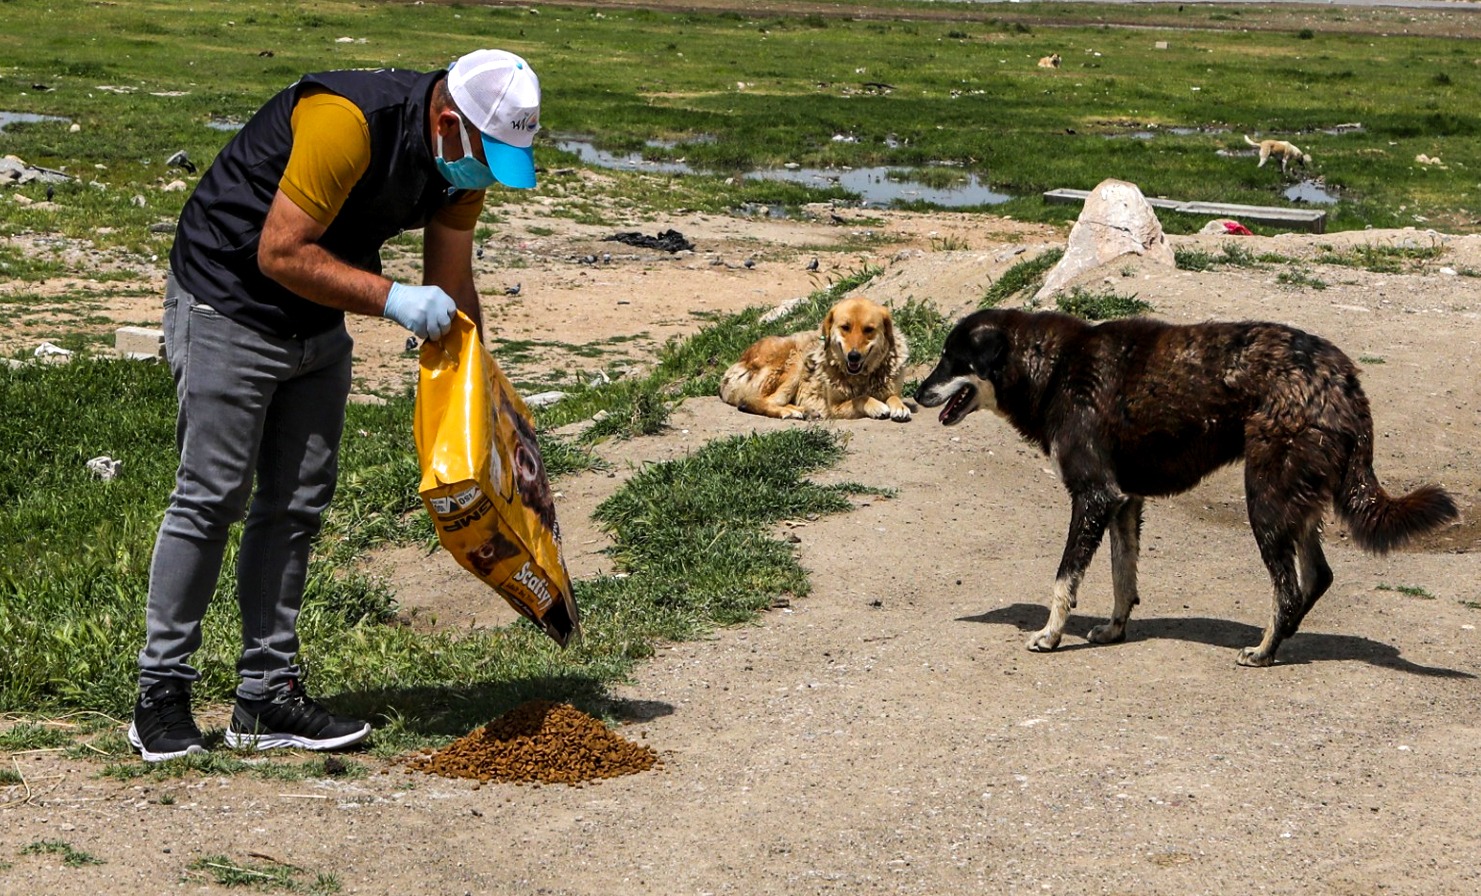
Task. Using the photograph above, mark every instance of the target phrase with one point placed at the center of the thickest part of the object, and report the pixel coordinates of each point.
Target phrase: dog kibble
(539, 742)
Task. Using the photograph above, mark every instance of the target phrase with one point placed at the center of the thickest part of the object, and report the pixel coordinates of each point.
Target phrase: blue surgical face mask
(466, 173)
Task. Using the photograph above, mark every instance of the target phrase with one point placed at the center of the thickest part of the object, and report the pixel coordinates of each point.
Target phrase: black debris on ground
(668, 241)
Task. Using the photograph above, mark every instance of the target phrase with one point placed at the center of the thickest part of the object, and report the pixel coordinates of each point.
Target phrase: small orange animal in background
(1050, 61)
(854, 370)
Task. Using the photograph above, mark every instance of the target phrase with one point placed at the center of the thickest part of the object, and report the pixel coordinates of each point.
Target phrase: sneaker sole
(275, 741)
(192, 750)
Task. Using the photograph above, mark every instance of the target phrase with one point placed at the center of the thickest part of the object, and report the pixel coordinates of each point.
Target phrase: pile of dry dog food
(540, 741)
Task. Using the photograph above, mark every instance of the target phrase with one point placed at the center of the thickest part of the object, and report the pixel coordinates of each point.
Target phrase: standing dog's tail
(1249, 141)
(1379, 521)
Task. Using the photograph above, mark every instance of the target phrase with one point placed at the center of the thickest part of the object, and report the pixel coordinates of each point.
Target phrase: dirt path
(889, 733)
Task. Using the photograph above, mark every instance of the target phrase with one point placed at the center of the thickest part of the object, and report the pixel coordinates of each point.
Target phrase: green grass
(1229, 255)
(1100, 304)
(72, 858)
(33, 736)
(1021, 280)
(1409, 590)
(737, 92)
(263, 876)
(121, 763)
(1300, 278)
(1381, 259)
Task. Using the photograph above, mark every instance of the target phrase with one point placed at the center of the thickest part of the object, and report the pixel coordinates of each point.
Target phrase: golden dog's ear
(827, 325)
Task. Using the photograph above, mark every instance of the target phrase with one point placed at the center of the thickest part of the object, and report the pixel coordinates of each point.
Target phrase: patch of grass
(34, 736)
(72, 858)
(1229, 255)
(935, 178)
(1102, 305)
(1022, 279)
(1371, 359)
(643, 411)
(108, 745)
(948, 244)
(698, 526)
(223, 761)
(925, 330)
(1381, 259)
(1410, 590)
(227, 872)
(21, 264)
(1300, 278)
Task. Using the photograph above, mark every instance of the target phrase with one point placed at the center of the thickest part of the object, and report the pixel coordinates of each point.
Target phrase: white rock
(1116, 221)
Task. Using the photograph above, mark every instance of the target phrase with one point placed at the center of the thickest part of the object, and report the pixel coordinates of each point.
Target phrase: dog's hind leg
(1090, 512)
(1284, 525)
(1316, 575)
(1126, 544)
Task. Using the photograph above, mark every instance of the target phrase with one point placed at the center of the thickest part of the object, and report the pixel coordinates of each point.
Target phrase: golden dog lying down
(854, 370)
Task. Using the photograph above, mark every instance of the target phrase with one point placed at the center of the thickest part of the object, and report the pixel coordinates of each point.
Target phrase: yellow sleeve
(331, 152)
(463, 213)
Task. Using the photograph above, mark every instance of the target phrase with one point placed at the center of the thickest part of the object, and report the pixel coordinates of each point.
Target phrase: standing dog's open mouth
(958, 405)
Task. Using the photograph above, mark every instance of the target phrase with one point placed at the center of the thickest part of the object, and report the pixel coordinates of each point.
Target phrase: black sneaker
(163, 727)
(291, 718)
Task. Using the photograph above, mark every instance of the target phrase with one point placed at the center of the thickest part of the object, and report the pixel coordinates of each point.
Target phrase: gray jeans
(252, 407)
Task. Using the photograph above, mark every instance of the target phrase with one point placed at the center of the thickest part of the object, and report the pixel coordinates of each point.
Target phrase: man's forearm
(319, 275)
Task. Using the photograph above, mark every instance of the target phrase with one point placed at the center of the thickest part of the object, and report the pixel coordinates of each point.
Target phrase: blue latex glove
(425, 310)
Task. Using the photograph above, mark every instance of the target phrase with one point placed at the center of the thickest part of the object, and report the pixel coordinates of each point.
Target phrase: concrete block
(139, 343)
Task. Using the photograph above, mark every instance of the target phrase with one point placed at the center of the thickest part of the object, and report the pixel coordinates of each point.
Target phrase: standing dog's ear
(988, 346)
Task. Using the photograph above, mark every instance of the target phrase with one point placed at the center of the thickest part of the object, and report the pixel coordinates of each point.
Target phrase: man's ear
(447, 121)
(988, 348)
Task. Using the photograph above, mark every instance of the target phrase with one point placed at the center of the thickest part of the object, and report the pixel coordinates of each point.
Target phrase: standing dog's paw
(1044, 641)
(1110, 633)
(1252, 657)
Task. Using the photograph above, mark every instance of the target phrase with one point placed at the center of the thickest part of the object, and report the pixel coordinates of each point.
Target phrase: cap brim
(512, 166)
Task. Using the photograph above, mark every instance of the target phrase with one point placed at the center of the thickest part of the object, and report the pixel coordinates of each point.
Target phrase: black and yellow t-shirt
(351, 149)
(331, 151)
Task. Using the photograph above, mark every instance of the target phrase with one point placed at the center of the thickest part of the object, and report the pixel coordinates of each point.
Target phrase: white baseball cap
(499, 94)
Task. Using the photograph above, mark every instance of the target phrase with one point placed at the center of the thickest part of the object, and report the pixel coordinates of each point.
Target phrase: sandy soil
(889, 733)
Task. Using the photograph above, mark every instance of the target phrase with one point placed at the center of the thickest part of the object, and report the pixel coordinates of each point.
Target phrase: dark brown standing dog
(1138, 408)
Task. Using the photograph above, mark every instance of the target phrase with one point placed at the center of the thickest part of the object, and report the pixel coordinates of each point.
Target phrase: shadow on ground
(1305, 647)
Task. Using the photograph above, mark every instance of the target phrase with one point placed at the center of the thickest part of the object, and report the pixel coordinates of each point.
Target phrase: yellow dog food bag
(484, 483)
